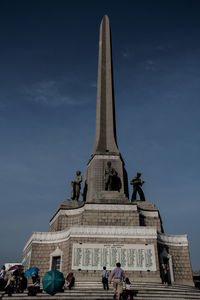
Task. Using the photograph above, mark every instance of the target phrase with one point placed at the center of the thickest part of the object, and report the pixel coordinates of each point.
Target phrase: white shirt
(105, 274)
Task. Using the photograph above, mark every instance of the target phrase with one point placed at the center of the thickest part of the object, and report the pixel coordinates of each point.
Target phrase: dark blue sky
(48, 75)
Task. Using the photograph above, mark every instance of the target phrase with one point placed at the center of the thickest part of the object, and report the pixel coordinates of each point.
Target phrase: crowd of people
(15, 282)
(121, 291)
(122, 285)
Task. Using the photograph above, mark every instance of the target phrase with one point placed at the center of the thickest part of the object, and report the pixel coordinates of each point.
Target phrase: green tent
(53, 282)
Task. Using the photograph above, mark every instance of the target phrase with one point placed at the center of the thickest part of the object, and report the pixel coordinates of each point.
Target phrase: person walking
(105, 276)
(2, 278)
(165, 271)
(128, 289)
(117, 276)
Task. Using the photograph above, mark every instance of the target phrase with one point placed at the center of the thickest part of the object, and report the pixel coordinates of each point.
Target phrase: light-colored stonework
(107, 214)
(43, 246)
(133, 257)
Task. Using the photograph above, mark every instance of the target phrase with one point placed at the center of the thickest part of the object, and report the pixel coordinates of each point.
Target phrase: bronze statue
(137, 183)
(76, 186)
(109, 175)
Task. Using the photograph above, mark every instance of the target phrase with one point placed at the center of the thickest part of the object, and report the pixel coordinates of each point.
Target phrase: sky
(48, 82)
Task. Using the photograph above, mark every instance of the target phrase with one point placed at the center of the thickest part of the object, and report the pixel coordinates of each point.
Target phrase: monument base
(84, 250)
(83, 237)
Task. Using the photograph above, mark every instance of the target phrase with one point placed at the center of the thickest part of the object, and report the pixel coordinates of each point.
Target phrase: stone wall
(41, 247)
(178, 252)
(181, 264)
(66, 221)
(41, 257)
(95, 175)
(107, 215)
(151, 221)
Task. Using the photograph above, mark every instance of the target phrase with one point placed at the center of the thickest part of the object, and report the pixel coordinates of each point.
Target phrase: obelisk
(105, 147)
(105, 140)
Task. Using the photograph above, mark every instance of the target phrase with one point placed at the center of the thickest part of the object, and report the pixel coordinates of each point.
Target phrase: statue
(76, 186)
(137, 183)
(109, 176)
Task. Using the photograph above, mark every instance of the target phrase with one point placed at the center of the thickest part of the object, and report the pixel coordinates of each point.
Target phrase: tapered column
(105, 147)
(105, 140)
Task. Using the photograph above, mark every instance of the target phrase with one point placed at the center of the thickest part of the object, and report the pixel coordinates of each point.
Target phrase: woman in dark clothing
(69, 281)
(9, 288)
(165, 271)
(22, 283)
(35, 287)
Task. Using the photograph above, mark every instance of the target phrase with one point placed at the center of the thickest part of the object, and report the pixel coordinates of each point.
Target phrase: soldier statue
(137, 183)
(76, 186)
(109, 176)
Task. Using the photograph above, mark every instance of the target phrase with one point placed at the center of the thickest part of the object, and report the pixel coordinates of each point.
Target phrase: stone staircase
(94, 291)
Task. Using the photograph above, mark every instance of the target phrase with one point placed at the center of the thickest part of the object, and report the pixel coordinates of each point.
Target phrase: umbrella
(31, 271)
(53, 281)
(15, 267)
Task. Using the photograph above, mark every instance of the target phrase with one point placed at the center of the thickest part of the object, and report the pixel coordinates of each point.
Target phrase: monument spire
(105, 157)
(105, 140)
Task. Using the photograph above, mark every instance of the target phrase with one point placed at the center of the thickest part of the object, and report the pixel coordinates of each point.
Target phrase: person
(36, 281)
(109, 174)
(76, 186)
(165, 271)
(137, 183)
(22, 283)
(2, 278)
(118, 277)
(16, 281)
(69, 281)
(128, 289)
(105, 276)
(9, 288)
(35, 287)
(3, 272)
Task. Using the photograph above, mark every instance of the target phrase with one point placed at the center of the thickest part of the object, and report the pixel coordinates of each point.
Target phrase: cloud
(127, 54)
(52, 93)
(150, 65)
(161, 48)
(93, 84)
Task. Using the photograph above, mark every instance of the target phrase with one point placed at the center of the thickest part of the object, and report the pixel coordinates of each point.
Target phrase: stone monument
(107, 227)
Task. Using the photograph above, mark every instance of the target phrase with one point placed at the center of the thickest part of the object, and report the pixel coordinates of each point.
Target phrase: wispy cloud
(127, 54)
(160, 48)
(150, 65)
(93, 84)
(52, 93)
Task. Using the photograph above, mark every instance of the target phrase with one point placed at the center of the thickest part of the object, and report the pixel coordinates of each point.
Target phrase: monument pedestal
(86, 249)
(111, 197)
(89, 236)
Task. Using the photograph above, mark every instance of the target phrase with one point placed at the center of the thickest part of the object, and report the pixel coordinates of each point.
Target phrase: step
(94, 291)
